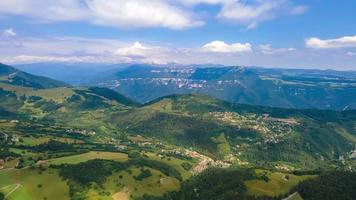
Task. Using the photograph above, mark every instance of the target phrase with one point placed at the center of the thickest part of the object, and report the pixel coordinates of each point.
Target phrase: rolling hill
(302, 137)
(96, 143)
(13, 76)
(222, 130)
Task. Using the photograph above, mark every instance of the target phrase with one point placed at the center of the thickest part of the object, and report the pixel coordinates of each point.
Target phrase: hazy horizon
(275, 33)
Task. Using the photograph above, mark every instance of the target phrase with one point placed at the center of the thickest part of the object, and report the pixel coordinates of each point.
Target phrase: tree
(2, 196)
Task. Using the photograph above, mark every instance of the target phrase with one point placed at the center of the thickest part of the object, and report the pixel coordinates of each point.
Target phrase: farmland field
(88, 156)
(32, 184)
(278, 183)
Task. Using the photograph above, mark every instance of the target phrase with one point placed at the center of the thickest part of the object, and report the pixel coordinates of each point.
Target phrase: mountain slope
(74, 107)
(16, 77)
(255, 86)
(302, 138)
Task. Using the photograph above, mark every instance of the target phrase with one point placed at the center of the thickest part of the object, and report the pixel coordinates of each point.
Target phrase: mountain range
(285, 88)
(302, 138)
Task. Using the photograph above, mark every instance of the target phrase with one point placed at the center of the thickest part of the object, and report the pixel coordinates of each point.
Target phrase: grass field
(58, 95)
(23, 153)
(163, 105)
(33, 141)
(278, 184)
(157, 184)
(11, 163)
(223, 144)
(88, 156)
(31, 184)
(173, 162)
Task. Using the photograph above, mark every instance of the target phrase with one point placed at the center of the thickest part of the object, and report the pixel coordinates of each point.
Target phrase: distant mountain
(255, 86)
(12, 76)
(285, 88)
(72, 73)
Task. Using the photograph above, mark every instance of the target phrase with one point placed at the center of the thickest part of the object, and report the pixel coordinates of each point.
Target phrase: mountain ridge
(16, 77)
(287, 88)
(210, 125)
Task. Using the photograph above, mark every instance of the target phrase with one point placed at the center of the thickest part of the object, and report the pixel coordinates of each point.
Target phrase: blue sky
(273, 33)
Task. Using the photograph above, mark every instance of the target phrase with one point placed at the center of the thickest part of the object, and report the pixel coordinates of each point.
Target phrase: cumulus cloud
(268, 50)
(136, 50)
(141, 13)
(342, 42)
(222, 47)
(117, 13)
(241, 12)
(9, 32)
(253, 12)
(59, 10)
(22, 49)
(172, 14)
(145, 53)
(75, 49)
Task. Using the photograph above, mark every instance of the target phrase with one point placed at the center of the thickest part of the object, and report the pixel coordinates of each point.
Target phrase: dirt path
(3, 188)
(17, 185)
(122, 195)
(13, 190)
(294, 196)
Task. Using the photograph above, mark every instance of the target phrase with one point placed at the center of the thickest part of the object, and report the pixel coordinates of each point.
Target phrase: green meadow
(278, 183)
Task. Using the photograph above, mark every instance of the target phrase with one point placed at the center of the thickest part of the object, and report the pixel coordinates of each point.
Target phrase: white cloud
(59, 10)
(252, 12)
(268, 50)
(117, 13)
(74, 49)
(241, 12)
(342, 42)
(211, 2)
(136, 50)
(144, 53)
(172, 14)
(23, 49)
(251, 26)
(9, 32)
(297, 10)
(222, 47)
(57, 47)
(141, 13)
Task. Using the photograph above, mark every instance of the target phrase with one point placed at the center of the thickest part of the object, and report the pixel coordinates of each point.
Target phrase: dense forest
(336, 185)
(215, 184)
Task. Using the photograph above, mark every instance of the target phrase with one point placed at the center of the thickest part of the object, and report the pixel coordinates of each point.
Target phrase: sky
(317, 34)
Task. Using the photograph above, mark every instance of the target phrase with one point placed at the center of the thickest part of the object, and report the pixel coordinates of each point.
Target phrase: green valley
(63, 142)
